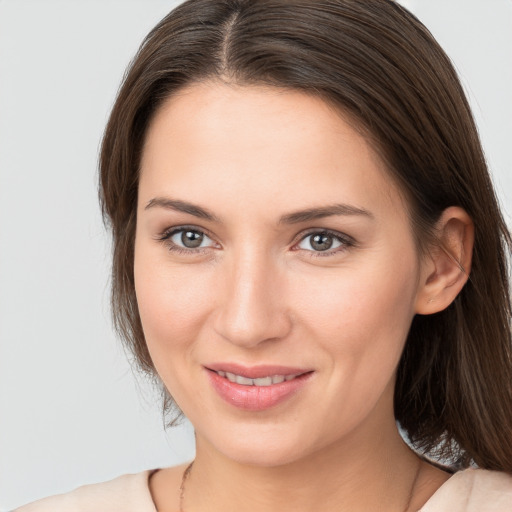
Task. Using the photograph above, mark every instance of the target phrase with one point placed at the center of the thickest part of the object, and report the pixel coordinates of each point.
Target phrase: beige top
(471, 490)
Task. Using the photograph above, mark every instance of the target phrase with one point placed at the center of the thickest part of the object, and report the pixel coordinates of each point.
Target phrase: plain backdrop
(71, 410)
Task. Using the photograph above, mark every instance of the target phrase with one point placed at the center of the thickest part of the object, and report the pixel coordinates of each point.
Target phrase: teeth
(243, 380)
(262, 381)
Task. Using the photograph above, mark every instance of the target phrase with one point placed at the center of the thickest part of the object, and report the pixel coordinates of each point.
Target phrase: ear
(446, 267)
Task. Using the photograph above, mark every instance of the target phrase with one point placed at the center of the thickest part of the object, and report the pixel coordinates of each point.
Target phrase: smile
(262, 381)
(257, 388)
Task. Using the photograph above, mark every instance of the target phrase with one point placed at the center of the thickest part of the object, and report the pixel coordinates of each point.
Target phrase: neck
(361, 473)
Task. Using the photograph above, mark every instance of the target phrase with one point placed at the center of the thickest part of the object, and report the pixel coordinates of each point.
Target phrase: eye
(190, 238)
(324, 241)
(186, 239)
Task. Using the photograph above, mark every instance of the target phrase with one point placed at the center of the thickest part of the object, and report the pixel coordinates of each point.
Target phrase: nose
(252, 308)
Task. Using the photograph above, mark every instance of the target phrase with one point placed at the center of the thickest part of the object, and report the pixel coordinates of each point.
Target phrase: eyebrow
(323, 211)
(289, 218)
(181, 206)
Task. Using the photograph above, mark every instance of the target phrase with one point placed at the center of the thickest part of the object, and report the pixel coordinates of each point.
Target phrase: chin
(259, 446)
(263, 456)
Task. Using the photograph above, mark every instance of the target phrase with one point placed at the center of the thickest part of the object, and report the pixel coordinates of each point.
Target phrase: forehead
(254, 144)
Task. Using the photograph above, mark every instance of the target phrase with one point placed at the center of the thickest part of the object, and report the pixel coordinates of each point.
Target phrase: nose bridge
(252, 309)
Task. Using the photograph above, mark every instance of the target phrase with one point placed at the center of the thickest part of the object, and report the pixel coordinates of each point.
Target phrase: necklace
(182, 486)
(189, 467)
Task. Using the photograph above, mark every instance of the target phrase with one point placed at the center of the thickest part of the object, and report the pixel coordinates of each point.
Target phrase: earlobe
(446, 268)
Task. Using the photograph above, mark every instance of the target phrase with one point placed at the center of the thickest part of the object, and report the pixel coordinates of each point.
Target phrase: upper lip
(257, 371)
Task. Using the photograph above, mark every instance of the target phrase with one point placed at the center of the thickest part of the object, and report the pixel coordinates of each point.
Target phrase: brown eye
(191, 239)
(188, 238)
(322, 241)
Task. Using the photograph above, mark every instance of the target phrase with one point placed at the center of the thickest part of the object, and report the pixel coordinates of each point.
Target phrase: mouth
(260, 381)
(257, 388)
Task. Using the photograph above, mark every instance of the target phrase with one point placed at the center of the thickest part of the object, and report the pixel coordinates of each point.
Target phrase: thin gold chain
(189, 467)
(182, 486)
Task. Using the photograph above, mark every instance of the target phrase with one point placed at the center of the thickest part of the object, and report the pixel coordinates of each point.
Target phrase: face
(273, 250)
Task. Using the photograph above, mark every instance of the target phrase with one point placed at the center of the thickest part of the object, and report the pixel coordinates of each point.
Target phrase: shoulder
(473, 490)
(127, 493)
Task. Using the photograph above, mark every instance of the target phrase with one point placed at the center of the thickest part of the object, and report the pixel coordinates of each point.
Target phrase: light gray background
(71, 411)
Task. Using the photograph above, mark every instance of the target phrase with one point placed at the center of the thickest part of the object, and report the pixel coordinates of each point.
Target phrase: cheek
(173, 306)
(360, 322)
(172, 301)
(362, 317)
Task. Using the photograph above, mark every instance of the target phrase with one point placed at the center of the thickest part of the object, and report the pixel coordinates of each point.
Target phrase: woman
(307, 250)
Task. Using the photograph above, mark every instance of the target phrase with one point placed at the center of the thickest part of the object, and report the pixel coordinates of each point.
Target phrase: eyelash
(345, 241)
(166, 236)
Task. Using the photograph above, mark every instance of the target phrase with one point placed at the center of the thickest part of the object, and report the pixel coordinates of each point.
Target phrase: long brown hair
(380, 65)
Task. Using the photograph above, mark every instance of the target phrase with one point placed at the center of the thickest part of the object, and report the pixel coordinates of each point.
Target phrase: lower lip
(256, 398)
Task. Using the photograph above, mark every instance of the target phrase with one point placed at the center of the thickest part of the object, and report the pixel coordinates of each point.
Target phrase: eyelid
(166, 235)
(346, 241)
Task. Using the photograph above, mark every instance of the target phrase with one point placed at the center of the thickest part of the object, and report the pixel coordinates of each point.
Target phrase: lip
(256, 398)
(257, 371)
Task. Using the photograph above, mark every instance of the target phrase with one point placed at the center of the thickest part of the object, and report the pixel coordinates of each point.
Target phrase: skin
(256, 291)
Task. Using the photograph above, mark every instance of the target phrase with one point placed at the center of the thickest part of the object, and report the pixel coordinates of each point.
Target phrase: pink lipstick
(256, 388)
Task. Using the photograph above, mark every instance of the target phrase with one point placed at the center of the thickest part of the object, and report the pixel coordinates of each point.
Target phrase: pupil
(191, 239)
(321, 242)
